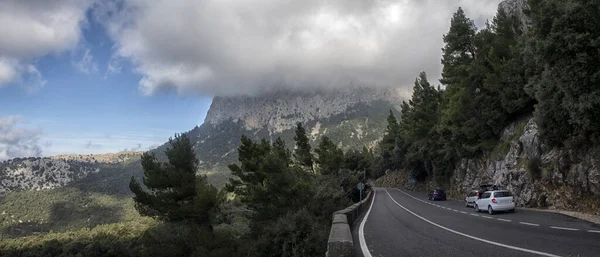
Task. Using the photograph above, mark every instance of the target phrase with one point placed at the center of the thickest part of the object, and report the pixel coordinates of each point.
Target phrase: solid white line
(530, 224)
(361, 229)
(504, 220)
(469, 236)
(594, 231)
(561, 228)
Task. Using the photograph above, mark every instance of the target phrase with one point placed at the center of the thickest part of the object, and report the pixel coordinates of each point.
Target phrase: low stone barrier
(340, 243)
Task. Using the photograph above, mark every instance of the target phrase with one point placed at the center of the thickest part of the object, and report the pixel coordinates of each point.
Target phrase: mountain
(353, 116)
(66, 192)
(52, 172)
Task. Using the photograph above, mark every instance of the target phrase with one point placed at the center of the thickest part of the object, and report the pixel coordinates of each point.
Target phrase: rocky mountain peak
(281, 110)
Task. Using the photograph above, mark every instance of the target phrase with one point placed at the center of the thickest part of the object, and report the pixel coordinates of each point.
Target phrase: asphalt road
(407, 224)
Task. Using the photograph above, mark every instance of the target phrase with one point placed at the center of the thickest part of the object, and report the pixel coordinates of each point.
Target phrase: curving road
(403, 223)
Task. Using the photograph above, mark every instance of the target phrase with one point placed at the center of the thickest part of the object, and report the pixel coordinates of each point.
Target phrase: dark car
(486, 187)
(437, 195)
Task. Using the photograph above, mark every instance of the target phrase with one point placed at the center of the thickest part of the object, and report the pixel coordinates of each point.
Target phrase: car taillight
(494, 200)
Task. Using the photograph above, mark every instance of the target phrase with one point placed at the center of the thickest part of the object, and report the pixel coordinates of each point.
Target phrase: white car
(471, 198)
(497, 200)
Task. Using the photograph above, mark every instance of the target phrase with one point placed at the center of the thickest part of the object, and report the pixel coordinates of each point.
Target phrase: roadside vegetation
(279, 203)
(496, 75)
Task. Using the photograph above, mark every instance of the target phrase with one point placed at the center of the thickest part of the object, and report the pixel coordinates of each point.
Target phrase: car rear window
(486, 195)
(502, 194)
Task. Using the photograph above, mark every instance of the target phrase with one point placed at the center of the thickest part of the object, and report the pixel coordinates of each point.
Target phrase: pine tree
(388, 143)
(329, 157)
(564, 43)
(419, 119)
(459, 50)
(302, 154)
(174, 192)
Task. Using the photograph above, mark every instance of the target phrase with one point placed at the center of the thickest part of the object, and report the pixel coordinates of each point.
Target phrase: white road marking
(530, 224)
(455, 210)
(361, 229)
(562, 228)
(504, 220)
(487, 217)
(466, 235)
(594, 231)
(474, 214)
(463, 212)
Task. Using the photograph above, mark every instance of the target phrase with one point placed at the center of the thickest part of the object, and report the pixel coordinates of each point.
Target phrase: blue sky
(96, 111)
(97, 76)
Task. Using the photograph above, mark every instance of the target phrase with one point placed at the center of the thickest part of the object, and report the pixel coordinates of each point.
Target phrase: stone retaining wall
(340, 243)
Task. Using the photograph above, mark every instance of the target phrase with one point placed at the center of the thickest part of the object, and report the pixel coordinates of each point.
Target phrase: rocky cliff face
(280, 110)
(539, 176)
(517, 9)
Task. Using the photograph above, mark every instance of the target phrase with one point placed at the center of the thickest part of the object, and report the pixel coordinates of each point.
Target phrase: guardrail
(340, 243)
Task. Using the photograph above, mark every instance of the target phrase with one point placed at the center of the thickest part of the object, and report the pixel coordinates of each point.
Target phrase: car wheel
(490, 210)
(476, 208)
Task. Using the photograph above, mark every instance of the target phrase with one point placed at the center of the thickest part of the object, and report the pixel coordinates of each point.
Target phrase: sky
(84, 76)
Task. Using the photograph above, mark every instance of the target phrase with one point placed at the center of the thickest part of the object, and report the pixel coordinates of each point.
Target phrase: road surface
(400, 223)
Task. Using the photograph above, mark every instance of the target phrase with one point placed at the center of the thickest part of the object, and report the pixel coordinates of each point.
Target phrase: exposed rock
(564, 176)
(516, 9)
(57, 171)
(40, 173)
(529, 140)
(281, 110)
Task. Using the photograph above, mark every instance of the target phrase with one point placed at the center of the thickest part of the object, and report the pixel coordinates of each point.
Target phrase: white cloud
(35, 28)
(114, 66)
(86, 64)
(18, 141)
(225, 46)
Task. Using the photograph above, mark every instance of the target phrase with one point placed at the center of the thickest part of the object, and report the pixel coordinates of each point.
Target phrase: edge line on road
(530, 224)
(361, 229)
(466, 235)
(594, 231)
(563, 228)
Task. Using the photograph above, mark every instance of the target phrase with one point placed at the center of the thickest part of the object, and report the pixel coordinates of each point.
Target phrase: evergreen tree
(459, 50)
(174, 192)
(302, 154)
(564, 43)
(420, 117)
(388, 144)
(329, 157)
(288, 204)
